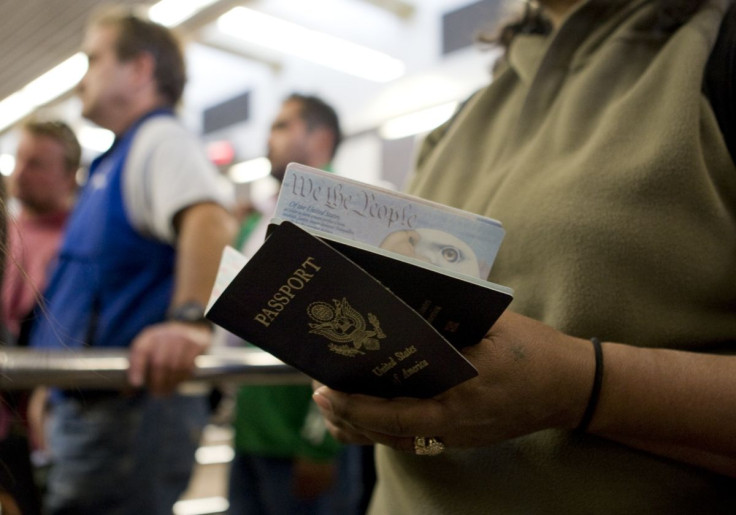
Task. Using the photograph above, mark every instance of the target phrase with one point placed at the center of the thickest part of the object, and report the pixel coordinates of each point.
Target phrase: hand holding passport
(355, 317)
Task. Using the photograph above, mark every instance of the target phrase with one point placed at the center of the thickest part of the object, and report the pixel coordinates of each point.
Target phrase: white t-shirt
(166, 171)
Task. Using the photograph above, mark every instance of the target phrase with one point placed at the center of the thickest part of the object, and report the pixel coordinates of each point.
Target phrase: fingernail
(321, 399)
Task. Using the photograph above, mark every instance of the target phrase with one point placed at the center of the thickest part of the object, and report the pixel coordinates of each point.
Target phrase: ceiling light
(13, 108)
(311, 45)
(58, 80)
(96, 139)
(417, 122)
(42, 90)
(63, 77)
(249, 171)
(7, 164)
(171, 13)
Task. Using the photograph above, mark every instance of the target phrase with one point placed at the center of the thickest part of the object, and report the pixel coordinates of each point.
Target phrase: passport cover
(461, 308)
(316, 310)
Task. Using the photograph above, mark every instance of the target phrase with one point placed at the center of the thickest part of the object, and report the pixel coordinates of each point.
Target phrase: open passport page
(442, 235)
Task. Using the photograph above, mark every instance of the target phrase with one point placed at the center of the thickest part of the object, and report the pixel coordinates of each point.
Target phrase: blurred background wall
(381, 63)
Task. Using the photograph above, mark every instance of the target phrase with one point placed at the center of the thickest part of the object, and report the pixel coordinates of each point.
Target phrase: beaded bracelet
(595, 392)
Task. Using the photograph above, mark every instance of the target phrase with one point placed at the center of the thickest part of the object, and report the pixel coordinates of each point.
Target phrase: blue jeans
(120, 455)
(261, 485)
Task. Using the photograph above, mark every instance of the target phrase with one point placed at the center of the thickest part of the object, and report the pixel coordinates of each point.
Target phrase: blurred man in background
(42, 190)
(285, 460)
(135, 269)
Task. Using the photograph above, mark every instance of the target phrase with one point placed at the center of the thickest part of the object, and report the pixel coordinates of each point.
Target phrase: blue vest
(110, 281)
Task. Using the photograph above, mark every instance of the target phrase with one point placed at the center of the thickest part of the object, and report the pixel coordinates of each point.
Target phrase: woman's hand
(531, 377)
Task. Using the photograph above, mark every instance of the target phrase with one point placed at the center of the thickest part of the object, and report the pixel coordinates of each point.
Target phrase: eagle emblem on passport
(345, 327)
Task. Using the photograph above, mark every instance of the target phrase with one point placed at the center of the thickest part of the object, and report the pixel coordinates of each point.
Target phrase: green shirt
(279, 420)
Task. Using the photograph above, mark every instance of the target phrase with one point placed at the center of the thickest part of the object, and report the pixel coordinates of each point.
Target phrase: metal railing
(22, 369)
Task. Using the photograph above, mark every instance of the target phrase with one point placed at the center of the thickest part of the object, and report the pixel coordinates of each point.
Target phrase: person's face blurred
(40, 180)
(437, 247)
(106, 85)
(288, 140)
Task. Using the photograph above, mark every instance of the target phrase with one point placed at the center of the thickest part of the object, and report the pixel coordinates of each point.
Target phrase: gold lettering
(280, 297)
(403, 354)
(425, 307)
(295, 283)
(407, 372)
(384, 367)
(271, 315)
(275, 304)
(303, 275)
(309, 262)
(286, 292)
(433, 314)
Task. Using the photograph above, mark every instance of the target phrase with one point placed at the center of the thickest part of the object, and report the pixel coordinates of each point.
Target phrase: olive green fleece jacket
(597, 150)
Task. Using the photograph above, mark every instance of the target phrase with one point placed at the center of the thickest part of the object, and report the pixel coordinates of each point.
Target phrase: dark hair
(135, 36)
(532, 20)
(62, 133)
(318, 113)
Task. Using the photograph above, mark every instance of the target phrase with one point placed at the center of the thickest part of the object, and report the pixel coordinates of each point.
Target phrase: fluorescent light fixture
(13, 108)
(203, 506)
(49, 86)
(96, 139)
(58, 80)
(63, 77)
(214, 454)
(249, 171)
(171, 13)
(417, 122)
(311, 45)
(7, 164)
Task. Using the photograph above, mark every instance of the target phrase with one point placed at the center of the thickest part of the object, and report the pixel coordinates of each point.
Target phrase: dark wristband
(595, 392)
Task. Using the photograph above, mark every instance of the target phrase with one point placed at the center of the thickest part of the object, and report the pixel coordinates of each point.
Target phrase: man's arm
(163, 355)
(203, 230)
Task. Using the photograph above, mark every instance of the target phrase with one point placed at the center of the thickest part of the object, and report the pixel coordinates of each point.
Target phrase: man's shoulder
(163, 128)
(162, 139)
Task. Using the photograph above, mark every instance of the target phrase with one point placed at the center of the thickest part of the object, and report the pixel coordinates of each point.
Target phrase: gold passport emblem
(345, 327)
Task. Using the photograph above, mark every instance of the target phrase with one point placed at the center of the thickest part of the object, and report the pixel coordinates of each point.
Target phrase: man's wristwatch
(191, 312)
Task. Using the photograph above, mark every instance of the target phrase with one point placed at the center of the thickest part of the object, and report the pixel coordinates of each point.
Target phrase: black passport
(461, 308)
(352, 320)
